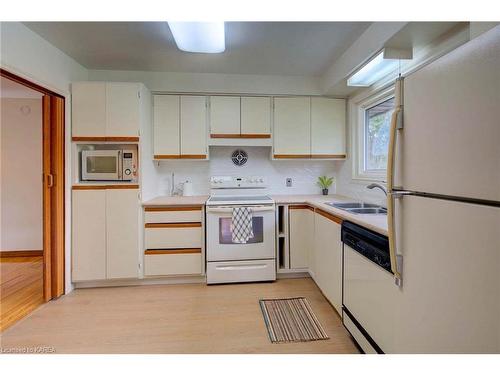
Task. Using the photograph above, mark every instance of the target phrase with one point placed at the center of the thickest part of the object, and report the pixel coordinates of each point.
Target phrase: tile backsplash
(303, 173)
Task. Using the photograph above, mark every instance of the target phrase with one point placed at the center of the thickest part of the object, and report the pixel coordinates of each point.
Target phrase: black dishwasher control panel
(371, 245)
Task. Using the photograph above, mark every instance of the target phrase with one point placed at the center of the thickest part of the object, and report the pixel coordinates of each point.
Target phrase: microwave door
(101, 165)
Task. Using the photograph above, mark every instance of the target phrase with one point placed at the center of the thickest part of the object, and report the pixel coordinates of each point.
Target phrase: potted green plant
(325, 182)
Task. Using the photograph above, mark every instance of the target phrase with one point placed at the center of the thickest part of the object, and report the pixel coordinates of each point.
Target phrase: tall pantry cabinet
(106, 214)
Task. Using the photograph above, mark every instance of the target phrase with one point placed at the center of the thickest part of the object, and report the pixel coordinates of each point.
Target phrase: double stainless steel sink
(359, 208)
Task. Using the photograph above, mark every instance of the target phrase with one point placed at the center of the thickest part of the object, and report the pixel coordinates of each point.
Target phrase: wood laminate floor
(21, 288)
(189, 318)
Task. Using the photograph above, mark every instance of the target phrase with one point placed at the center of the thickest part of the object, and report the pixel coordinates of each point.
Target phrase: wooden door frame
(53, 139)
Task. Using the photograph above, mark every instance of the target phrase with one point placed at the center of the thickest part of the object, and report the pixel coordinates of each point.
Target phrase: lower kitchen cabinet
(173, 240)
(301, 229)
(172, 262)
(173, 236)
(328, 257)
(89, 235)
(105, 229)
(122, 228)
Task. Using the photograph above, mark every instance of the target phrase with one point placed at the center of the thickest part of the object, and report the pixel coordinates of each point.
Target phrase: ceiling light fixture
(201, 37)
(385, 62)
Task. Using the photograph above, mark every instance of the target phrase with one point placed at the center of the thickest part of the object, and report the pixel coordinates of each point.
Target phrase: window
(377, 123)
(371, 117)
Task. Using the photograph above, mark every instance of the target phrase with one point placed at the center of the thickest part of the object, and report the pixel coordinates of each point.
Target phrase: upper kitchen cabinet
(225, 116)
(307, 128)
(105, 111)
(166, 125)
(328, 128)
(179, 127)
(240, 117)
(292, 127)
(193, 127)
(88, 105)
(255, 117)
(122, 109)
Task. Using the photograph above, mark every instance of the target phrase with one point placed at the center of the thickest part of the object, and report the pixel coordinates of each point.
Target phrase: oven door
(101, 165)
(220, 246)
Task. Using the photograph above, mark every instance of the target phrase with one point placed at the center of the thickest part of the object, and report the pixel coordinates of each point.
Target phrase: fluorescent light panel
(375, 69)
(201, 37)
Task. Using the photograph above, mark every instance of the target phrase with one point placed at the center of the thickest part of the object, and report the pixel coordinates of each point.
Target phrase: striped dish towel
(241, 224)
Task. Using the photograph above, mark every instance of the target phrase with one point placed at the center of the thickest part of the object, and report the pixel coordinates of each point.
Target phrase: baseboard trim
(20, 253)
(146, 281)
(292, 275)
(172, 280)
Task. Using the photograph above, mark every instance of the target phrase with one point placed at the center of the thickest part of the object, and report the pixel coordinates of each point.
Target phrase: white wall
(26, 54)
(303, 173)
(21, 171)
(214, 83)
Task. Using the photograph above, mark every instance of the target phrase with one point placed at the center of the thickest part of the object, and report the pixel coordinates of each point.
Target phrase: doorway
(32, 197)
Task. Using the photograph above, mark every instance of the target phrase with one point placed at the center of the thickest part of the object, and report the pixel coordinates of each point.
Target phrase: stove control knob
(261, 180)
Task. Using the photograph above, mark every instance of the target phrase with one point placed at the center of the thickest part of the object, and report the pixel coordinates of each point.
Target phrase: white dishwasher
(369, 293)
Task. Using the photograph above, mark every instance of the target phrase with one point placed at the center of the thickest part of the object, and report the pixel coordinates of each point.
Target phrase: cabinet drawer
(173, 236)
(172, 214)
(172, 264)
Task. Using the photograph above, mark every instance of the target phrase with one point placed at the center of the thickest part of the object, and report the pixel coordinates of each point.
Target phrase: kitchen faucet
(172, 184)
(371, 186)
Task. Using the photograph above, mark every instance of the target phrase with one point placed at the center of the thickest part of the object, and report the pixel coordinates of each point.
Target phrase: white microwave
(108, 165)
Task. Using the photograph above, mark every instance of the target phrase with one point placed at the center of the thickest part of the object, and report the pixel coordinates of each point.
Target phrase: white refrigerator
(444, 203)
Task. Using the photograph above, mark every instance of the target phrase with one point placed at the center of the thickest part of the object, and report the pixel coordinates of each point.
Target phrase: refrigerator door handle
(396, 260)
(396, 123)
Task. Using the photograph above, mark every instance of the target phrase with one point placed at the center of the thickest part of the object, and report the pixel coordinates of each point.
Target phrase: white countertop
(377, 223)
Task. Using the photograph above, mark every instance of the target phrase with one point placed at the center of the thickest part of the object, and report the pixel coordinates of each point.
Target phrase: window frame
(359, 106)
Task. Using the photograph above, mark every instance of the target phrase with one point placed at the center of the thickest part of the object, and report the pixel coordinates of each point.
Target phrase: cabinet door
(194, 127)
(225, 115)
(256, 116)
(292, 127)
(122, 227)
(328, 259)
(89, 235)
(166, 125)
(327, 127)
(122, 109)
(88, 109)
(301, 228)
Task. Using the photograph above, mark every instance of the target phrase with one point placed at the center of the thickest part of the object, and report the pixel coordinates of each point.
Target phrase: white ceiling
(277, 48)
(11, 89)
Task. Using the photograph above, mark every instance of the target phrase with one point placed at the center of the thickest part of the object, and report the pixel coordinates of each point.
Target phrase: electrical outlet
(289, 182)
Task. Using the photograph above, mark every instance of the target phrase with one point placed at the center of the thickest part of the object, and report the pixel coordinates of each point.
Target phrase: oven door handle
(230, 209)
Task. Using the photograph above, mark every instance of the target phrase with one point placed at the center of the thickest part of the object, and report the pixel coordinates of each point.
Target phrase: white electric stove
(228, 261)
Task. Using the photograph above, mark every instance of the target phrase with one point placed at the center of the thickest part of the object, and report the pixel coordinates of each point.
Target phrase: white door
(328, 126)
(194, 126)
(328, 259)
(88, 235)
(292, 127)
(301, 228)
(166, 125)
(122, 109)
(225, 115)
(450, 299)
(88, 109)
(450, 140)
(255, 115)
(122, 228)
